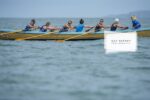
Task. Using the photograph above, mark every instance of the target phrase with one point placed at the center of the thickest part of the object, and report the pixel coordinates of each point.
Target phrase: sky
(69, 8)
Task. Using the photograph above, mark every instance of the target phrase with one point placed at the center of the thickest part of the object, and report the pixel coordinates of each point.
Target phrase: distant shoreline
(140, 14)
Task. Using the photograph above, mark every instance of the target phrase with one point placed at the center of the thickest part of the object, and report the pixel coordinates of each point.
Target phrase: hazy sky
(69, 8)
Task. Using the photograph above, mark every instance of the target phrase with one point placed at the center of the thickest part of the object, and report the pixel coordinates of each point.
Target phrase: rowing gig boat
(145, 32)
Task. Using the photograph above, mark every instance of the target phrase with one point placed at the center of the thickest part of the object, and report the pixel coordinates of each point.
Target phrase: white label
(120, 42)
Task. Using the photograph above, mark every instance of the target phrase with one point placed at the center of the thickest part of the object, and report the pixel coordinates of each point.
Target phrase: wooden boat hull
(59, 36)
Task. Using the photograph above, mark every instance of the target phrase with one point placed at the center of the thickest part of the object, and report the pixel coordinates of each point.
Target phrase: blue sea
(73, 70)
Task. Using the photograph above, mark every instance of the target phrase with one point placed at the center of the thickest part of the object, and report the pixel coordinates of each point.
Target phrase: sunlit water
(73, 70)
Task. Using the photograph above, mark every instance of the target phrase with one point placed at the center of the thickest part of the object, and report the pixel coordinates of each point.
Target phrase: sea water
(73, 70)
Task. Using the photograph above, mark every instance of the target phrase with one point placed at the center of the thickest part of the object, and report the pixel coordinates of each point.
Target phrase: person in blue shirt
(81, 26)
(135, 24)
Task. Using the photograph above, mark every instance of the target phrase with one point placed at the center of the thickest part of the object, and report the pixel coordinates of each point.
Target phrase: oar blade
(19, 39)
(11, 32)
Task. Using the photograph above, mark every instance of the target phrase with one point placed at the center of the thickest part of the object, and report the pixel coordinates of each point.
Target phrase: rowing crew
(80, 27)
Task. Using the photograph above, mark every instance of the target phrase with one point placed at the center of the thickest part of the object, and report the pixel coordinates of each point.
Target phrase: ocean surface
(73, 70)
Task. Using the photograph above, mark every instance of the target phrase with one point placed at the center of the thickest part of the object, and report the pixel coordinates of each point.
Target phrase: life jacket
(136, 24)
(42, 29)
(27, 28)
(113, 27)
(64, 29)
(98, 28)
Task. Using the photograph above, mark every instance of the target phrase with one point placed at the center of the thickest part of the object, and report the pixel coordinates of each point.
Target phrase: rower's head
(32, 21)
(70, 22)
(133, 18)
(101, 20)
(48, 23)
(116, 20)
(81, 21)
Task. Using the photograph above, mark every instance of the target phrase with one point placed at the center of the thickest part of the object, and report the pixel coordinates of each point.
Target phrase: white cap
(116, 20)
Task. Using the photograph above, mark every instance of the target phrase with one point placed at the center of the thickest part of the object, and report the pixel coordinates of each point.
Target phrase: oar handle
(89, 29)
(125, 28)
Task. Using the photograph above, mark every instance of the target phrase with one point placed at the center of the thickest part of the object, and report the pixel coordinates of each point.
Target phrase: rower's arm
(107, 26)
(123, 27)
(89, 26)
(53, 28)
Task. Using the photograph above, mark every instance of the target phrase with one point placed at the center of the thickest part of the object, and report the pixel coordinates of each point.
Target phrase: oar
(87, 32)
(11, 32)
(125, 28)
(21, 39)
(89, 29)
(73, 37)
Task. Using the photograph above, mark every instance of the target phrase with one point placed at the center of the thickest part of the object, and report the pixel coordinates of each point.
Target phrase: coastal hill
(139, 14)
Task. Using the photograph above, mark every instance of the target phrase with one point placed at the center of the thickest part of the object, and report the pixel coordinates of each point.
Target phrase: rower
(67, 27)
(47, 27)
(135, 24)
(100, 26)
(116, 25)
(31, 26)
(81, 26)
